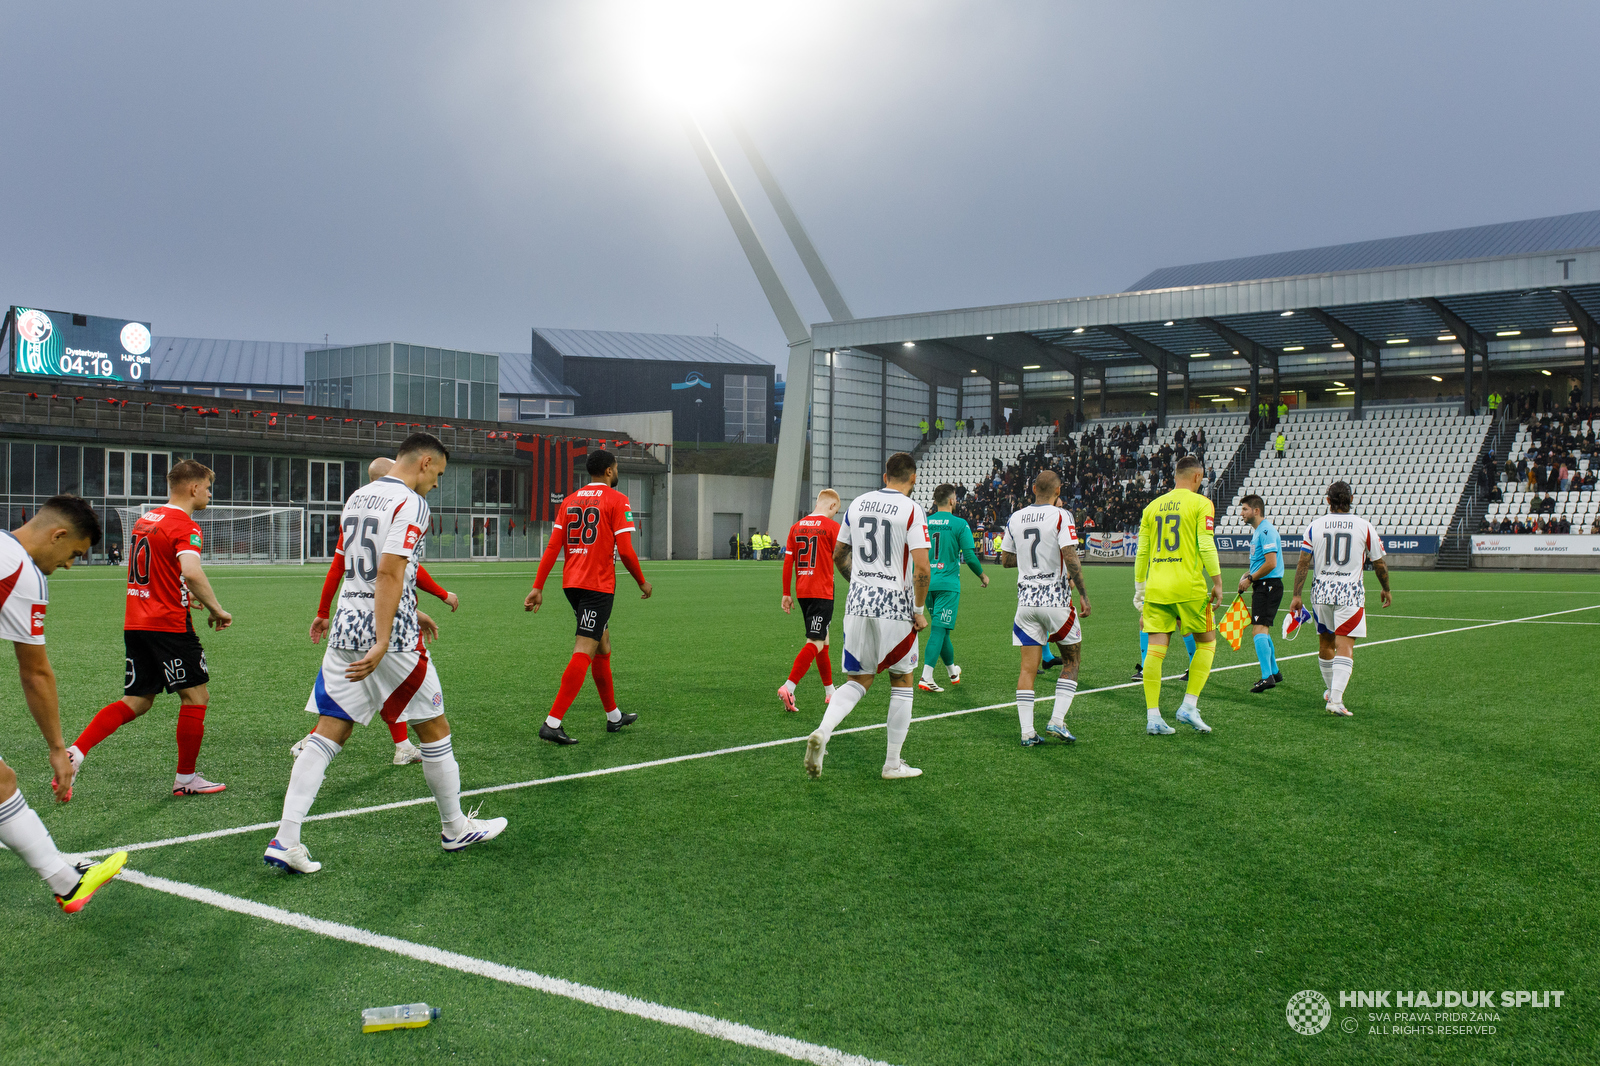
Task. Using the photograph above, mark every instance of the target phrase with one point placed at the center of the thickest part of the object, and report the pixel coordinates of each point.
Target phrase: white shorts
(1037, 626)
(404, 688)
(873, 645)
(1344, 621)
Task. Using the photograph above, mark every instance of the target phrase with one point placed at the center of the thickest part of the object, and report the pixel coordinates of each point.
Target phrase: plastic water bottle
(407, 1016)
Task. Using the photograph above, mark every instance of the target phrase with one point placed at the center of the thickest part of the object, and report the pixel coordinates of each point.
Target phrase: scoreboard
(64, 345)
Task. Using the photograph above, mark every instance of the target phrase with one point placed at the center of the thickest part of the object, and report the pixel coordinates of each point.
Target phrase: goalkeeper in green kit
(950, 540)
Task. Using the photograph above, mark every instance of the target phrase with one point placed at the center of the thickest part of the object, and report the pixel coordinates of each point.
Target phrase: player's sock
(443, 775)
(1025, 712)
(1189, 643)
(602, 683)
(1144, 644)
(1264, 654)
(825, 666)
(899, 722)
(1200, 667)
(1327, 672)
(397, 732)
(1272, 652)
(191, 730)
(844, 701)
(108, 720)
(949, 653)
(1066, 688)
(304, 782)
(1342, 666)
(571, 684)
(927, 668)
(23, 832)
(1153, 658)
(802, 663)
(827, 692)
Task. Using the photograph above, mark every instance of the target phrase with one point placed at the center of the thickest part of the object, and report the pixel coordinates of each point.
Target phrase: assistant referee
(1266, 579)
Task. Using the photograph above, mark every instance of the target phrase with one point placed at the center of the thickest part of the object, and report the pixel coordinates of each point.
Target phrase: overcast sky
(452, 174)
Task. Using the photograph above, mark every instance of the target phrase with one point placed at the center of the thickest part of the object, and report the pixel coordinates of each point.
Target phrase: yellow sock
(1153, 658)
(1200, 665)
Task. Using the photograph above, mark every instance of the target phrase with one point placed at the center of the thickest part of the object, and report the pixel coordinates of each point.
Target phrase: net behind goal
(240, 534)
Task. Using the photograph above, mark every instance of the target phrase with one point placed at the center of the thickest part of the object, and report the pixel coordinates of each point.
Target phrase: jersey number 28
(583, 525)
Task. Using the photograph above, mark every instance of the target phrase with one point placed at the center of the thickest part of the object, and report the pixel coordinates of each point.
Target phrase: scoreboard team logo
(135, 338)
(35, 327)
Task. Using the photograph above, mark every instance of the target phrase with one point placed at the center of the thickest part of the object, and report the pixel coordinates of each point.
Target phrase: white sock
(304, 782)
(827, 690)
(1025, 711)
(1152, 714)
(844, 701)
(614, 715)
(552, 721)
(1327, 672)
(184, 779)
(787, 686)
(1342, 665)
(927, 672)
(23, 832)
(444, 781)
(1066, 688)
(899, 723)
(1191, 700)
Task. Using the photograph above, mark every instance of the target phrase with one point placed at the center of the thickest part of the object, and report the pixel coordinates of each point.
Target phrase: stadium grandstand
(1386, 362)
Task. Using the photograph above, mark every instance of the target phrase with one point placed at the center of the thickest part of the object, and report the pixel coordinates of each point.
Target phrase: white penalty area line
(704, 1024)
(694, 756)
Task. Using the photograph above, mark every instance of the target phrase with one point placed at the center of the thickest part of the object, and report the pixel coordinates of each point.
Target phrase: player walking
(405, 752)
(376, 659)
(882, 551)
(61, 531)
(1336, 548)
(165, 579)
(1177, 553)
(809, 556)
(594, 520)
(950, 541)
(1041, 542)
(1266, 578)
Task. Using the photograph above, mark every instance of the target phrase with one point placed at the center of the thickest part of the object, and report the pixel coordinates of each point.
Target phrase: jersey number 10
(1336, 549)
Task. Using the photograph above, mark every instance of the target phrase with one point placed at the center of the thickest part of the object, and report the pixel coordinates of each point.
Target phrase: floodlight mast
(786, 503)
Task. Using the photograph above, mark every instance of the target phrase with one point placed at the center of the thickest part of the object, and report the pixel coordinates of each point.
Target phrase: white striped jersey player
(1045, 615)
(882, 528)
(1340, 545)
(383, 518)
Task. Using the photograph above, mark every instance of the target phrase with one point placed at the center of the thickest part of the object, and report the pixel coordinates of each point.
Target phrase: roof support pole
(1357, 345)
(1377, 374)
(994, 398)
(1359, 382)
(1590, 332)
(933, 404)
(1157, 357)
(1472, 343)
(1102, 394)
(1255, 392)
(1161, 395)
(1077, 398)
(883, 411)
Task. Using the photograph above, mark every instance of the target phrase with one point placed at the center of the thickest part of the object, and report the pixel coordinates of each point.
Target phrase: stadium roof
(195, 360)
(661, 347)
(1559, 232)
(520, 376)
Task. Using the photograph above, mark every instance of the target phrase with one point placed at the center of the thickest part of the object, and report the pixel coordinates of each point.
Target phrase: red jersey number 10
(139, 560)
(583, 525)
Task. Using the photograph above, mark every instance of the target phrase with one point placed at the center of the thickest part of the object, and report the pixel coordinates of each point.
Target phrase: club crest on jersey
(1211, 523)
(38, 619)
(194, 538)
(438, 701)
(413, 534)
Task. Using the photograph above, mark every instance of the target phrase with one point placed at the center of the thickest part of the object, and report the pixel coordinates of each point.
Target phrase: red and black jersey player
(809, 560)
(589, 525)
(165, 580)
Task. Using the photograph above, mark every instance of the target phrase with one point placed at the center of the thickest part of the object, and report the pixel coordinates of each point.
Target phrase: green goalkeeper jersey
(1177, 548)
(951, 539)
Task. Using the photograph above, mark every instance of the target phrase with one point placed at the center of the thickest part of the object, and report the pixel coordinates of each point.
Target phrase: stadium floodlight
(1340, 344)
(1078, 330)
(1035, 366)
(1345, 392)
(1546, 373)
(1445, 337)
(1168, 323)
(1399, 340)
(1340, 384)
(1509, 333)
(701, 53)
(988, 338)
(1436, 377)
(1240, 388)
(1564, 329)
(1201, 355)
(908, 344)
(1295, 348)
(1286, 314)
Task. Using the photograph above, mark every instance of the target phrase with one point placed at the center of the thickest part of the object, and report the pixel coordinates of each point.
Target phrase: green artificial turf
(1129, 899)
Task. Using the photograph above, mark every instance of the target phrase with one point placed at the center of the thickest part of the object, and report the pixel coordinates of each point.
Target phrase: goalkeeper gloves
(1138, 595)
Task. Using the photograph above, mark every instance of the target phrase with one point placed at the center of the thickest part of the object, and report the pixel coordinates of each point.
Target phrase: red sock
(571, 684)
(802, 662)
(397, 728)
(110, 718)
(825, 665)
(602, 682)
(191, 730)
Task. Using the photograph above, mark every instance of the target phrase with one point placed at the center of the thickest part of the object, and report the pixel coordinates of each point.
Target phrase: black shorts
(1265, 597)
(162, 662)
(818, 614)
(593, 610)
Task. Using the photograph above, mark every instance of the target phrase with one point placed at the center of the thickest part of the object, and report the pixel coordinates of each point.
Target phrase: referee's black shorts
(1265, 597)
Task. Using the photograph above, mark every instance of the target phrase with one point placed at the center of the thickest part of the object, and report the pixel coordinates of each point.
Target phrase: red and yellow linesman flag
(1233, 623)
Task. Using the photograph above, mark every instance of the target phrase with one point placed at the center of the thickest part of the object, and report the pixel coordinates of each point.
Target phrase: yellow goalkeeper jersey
(1177, 548)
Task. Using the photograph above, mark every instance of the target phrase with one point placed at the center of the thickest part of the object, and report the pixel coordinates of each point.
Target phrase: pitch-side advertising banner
(1524, 544)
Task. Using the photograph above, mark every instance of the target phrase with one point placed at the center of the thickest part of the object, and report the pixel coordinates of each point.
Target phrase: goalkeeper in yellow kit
(1177, 554)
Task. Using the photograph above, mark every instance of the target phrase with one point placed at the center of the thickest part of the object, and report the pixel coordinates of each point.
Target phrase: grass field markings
(705, 1024)
(694, 756)
(1447, 618)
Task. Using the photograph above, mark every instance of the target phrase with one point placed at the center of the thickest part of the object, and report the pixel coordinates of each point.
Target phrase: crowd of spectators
(1564, 456)
(1107, 478)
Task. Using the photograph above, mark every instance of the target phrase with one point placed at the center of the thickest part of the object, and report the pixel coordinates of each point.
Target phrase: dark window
(222, 488)
(205, 459)
(280, 481)
(94, 472)
(477, 486)
(491, 488)
(71, 471)
(316, 535)
(260, 473)
(352, 477)
(158, 475)
(333, 484)
(21, 471)
(80, 320)
(333, 534)
(507, 483)
(241, 479)
(139, 476)
(297, 481)
(116, 474)
(45, 473)
(316, 484)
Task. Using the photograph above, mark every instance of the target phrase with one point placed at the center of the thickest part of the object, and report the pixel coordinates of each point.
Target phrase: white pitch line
(704, 1024)
(694, 756)
(1446, 618)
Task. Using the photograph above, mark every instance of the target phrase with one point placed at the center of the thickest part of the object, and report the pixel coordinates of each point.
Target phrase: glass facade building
(405, 379)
